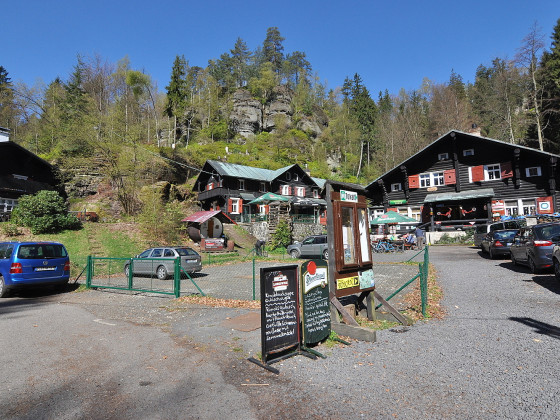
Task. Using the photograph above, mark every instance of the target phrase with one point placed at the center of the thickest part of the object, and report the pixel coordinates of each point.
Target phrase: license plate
(45, 268)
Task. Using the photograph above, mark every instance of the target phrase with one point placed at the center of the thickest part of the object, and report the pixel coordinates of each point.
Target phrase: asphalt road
(108, 355)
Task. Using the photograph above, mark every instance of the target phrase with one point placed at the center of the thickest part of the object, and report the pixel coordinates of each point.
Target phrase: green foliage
(160, 221)
(447, 239)
(44, 212)
(10, 229)
(282, 237)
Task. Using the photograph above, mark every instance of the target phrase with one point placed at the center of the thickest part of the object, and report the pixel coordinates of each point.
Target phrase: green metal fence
(111, 273)
(391, 269)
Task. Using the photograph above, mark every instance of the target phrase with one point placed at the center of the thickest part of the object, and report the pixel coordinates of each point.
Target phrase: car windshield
(506, 234)
(186, 251)
(41, 251)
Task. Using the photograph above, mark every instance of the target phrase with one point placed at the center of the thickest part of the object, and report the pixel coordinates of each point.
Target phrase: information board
(315, 301)
(279, 309)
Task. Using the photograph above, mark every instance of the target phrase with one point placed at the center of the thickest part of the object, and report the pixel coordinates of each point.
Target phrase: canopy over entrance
(459, 196)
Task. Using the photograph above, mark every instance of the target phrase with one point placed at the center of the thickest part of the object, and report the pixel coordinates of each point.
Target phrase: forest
(113, 118)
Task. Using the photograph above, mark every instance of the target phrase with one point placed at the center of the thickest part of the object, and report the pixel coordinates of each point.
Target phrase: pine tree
(273, 50)
(177, 92)
(6, 99)
(551, 87)
(240, 59)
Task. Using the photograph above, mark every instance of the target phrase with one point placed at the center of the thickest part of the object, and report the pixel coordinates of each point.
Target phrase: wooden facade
(21, 173)
(231, 187)
(461, 179)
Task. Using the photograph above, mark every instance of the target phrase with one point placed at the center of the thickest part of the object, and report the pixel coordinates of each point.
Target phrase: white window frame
(431, 179)
(528, 206)
(242, 184)
(443, 156)
(468, 152)
(315, 193)
(235, 206)
(288, 176)
(425, 180)
(262, 187)
(300, 191)
(536, 168)
(396, 186)
(285, 189)
(492, 172)
(262, 208)
(438, 179)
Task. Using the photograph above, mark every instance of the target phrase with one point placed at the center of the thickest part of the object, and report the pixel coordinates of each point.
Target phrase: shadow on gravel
(517, 268)
(540, 327)
(31, 298)
(548, 282)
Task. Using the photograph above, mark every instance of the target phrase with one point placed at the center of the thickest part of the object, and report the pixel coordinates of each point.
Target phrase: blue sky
(392, 44)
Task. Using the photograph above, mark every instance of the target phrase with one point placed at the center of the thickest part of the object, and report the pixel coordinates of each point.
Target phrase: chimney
(307, 171)
(475, 130)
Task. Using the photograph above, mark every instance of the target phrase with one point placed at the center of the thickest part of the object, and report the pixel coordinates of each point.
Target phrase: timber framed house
(231, 187)
(462, 179)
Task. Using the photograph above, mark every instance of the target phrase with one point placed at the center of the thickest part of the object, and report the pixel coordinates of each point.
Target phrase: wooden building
(461, 179)
(230, 187)
(21, 172)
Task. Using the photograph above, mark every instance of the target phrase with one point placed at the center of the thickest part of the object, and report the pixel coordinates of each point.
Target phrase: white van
(482, 230)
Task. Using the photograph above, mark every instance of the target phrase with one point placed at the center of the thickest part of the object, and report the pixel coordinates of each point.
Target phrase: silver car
(161, 261)
(312, 246)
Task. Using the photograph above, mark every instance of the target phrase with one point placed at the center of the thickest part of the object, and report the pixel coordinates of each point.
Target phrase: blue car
(32, 264)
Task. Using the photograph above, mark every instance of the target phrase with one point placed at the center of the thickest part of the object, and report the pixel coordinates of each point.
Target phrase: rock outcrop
(249, 116)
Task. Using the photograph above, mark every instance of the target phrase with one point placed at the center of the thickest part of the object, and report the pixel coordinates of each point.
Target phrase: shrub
(282, 237)
(10, 229)
(44, 212)
(159, 220)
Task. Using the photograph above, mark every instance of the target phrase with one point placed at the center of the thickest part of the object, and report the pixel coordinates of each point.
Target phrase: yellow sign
(347, 282)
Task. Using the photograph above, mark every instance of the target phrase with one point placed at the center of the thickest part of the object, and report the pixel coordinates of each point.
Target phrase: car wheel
(127, 270)
(326, 254)
(533, 266)
(294, 254)
(161, 272)
(557, 269)
(3, 288)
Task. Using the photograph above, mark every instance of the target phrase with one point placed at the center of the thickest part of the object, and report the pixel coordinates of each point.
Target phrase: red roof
(202, 216)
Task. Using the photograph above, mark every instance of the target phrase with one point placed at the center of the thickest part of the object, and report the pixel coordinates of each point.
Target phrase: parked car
(556, 261)
(498, 243)
(160, 261)
(25, 264)
(480, 231)
(533, 245)
(312, 246)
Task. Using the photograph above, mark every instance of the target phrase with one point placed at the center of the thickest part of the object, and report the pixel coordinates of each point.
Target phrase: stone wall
(299, 230)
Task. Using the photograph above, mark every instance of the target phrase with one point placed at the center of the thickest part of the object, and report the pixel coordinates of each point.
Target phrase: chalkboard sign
(279, 309)
(315, 301)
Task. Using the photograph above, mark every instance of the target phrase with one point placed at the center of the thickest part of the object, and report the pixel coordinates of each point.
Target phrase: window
(437, 178)
(512, 207)
(396, 187)
(210, 186)
(262, 187)
(425, 180)
(443, 156)
(288, 176)
(285, 190)
(296, 177)
(533, 171)
(528, 206)
(315, 193)
(300, 191)
(262, 208)
(169, 253)
(492, 172)
(468, 152)
(241, 184)
(235, 205)
(348, 243)
(157, 253)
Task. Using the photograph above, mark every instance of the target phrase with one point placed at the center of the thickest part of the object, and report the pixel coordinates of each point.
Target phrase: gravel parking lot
(103, 354)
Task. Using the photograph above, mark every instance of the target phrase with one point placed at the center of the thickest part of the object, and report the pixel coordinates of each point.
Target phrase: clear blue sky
(392, 44)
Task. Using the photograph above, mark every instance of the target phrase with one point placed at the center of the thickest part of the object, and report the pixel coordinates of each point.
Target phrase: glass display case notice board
(348, 229)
